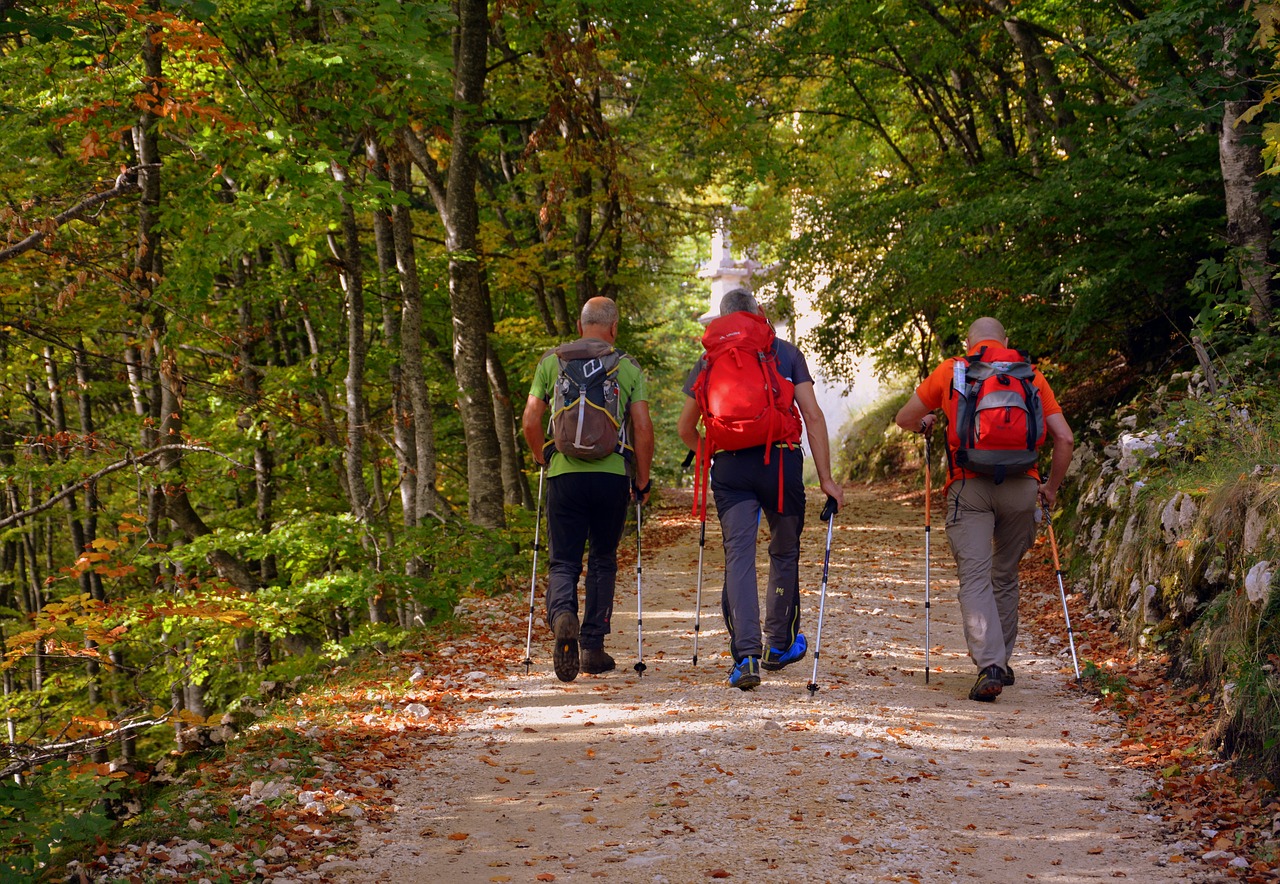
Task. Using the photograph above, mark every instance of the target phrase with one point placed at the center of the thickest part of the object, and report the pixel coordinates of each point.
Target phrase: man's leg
(782, 597)
(739, 601)
(1015, 530)
(568, 522)
(609, 500)
(970, 525)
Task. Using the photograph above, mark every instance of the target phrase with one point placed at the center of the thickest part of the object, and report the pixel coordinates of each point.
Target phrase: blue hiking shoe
(773, 659)
(745, 675)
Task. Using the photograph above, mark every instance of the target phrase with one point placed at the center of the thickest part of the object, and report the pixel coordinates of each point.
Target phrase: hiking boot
(565, 657)
(745, 675)
(773, 659)
(1008, 676)
(596, 661)
(989, 684)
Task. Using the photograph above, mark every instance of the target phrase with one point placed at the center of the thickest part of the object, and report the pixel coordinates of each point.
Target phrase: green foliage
(872, 447)
(56, 811)
(1103, 681)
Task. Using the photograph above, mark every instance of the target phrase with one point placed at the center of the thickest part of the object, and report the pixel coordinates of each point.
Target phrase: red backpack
(743, 399)
(999, 425)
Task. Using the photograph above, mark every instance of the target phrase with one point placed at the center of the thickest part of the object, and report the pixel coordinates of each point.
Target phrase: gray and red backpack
(999, 425)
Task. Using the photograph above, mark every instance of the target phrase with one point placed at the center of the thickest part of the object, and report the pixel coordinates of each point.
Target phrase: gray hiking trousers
(990, 527)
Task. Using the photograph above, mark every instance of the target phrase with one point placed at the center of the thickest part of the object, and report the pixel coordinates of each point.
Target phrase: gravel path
(675, 777)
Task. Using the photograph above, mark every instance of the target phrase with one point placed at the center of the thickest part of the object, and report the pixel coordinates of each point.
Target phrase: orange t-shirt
(935, 392)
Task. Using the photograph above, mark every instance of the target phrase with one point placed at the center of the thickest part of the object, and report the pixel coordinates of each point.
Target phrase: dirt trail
(675, 777)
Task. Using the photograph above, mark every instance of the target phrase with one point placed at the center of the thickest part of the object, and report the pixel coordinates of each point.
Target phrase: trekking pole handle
(830, 509)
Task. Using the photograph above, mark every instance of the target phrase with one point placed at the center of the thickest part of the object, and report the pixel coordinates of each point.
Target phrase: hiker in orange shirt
(992, 496)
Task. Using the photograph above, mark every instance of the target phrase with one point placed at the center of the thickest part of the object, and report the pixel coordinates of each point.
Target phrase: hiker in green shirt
(600, 454)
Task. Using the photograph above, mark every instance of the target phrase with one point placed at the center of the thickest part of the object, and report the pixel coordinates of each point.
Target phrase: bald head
(987, 328)
(599, 311)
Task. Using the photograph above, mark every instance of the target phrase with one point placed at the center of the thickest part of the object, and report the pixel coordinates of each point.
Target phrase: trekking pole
(697, 601)
(639, 667)
(828, 513)
(702, 546)
(1057, 568)
(533, 578)
(928, 496)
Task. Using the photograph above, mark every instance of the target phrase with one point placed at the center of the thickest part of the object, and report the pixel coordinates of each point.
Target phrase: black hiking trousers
(585, 511)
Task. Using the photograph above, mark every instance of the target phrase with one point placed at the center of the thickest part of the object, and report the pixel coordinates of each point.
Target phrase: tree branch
(131, 460)
(126, 182)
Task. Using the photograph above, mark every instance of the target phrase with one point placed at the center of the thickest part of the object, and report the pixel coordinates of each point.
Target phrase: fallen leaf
(458, 836)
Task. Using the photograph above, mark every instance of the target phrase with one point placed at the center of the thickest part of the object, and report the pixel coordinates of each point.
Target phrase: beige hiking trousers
(990, 527)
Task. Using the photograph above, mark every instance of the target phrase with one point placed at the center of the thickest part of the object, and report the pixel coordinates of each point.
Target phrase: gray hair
(599, 311)
(738, 301)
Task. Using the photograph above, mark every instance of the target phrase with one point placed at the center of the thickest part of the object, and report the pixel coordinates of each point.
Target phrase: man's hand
(1048, 496)
(833, 489)
(927, 422)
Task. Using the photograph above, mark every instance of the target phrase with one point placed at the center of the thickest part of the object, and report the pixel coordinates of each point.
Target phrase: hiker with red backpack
(999, 411)
(751, 392)
(599, 456)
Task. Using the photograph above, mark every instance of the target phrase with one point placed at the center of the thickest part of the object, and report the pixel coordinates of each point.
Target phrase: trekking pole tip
(812, 687)
(640, 668)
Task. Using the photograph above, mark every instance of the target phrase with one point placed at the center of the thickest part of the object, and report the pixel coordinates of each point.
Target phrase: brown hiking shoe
(596, 661)
(989, 684)
(565, 656)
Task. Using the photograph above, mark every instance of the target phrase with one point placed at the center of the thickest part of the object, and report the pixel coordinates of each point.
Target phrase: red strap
(780, 459)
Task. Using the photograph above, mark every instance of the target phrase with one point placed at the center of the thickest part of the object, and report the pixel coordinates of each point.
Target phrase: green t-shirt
(632, 387)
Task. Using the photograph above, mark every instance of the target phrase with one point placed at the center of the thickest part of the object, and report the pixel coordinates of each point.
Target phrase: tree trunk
(472, 320)
(1240, 156)
(348, 255)
(428, 501)
(402, 429)
(515, 488)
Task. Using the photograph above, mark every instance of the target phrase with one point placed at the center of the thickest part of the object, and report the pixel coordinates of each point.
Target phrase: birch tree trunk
(351, 274)
(1240, 158)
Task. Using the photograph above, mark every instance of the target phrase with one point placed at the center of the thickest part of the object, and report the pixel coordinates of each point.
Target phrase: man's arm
(915, 416)
(815, 427)
(687, 423)
(642, 443)
(1064, 442)
(531, 423)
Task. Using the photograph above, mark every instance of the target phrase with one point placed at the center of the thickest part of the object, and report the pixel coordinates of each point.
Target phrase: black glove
(830, 509)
